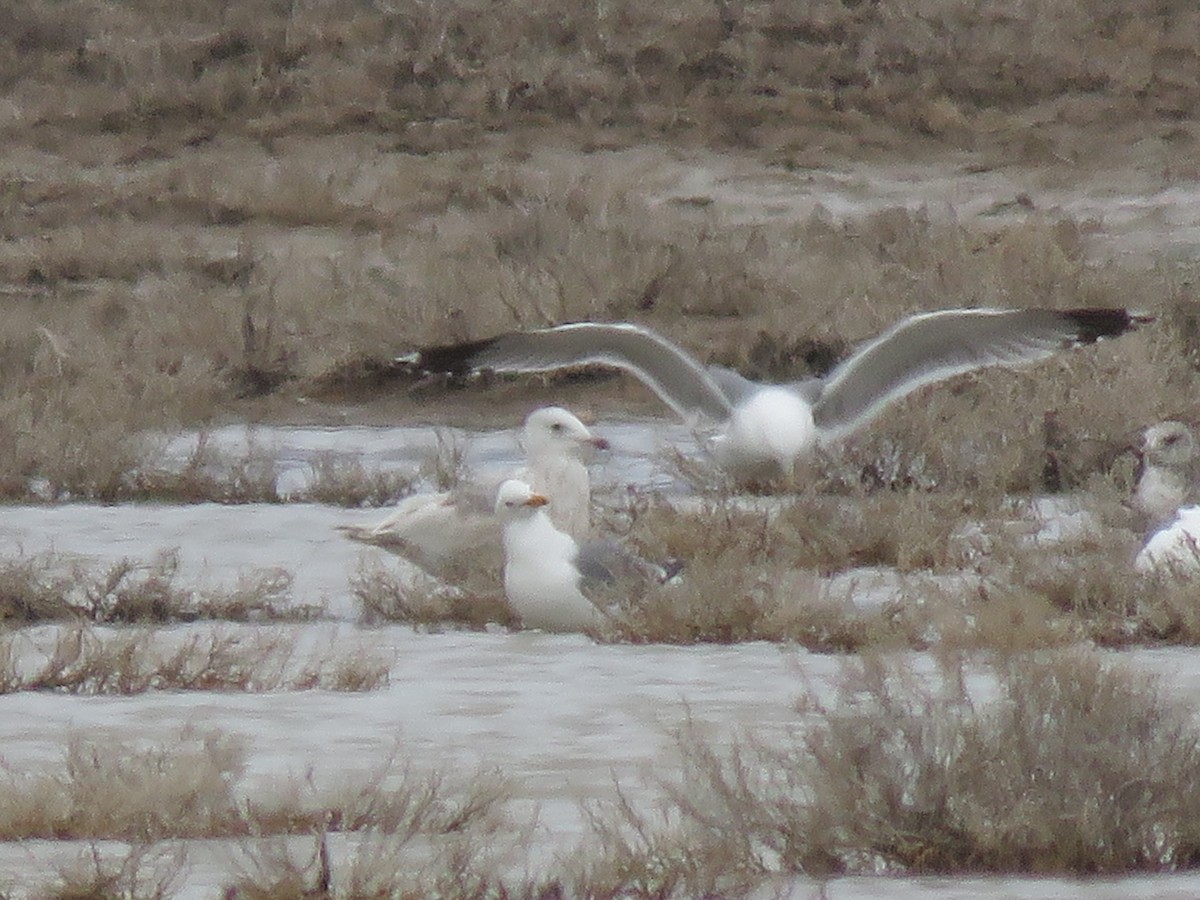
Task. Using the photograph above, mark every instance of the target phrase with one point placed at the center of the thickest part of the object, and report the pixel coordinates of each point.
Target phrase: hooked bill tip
(536, 500)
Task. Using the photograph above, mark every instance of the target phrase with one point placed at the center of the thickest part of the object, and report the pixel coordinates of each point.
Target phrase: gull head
(1169, 445)
(553, 431)
(515, 500)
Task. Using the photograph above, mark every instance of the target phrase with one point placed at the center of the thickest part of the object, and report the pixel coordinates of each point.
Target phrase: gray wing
(734, 385)
(609, 564)
(934, 346)
(675, 376)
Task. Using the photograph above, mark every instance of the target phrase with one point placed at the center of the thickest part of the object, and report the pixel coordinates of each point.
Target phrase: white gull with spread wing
(765, 428)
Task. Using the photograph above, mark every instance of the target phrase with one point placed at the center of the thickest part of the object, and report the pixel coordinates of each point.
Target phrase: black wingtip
(448, 359)
(1092, 324)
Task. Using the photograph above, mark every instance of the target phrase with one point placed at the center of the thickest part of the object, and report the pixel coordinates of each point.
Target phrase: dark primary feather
(452, 359)
(1094, 324)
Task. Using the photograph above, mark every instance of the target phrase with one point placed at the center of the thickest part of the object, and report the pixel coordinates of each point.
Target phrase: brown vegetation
(384, 596)
(192, 789)
(1077, 766)
(145, 873)
(1064, 763)
(48, 588)
(83, 660)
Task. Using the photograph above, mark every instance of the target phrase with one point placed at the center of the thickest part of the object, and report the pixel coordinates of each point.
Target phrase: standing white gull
(453, 534)
(551, 581)
(1170, 471)
(1165, 496)
(765, 428)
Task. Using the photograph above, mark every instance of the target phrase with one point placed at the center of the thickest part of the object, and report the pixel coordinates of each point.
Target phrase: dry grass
(209, 475)
(384, 596)
(47, 588)
(191, 788)
(1075, 766)
(715, 73)
(145, 873)
(339, 481)
(760, 574)
(456, 866)
(82, 660)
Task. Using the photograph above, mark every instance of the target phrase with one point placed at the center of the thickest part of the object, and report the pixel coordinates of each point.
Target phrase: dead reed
(48, 588)
(192, 788)
(1063, 763)
(84, 660)
(386, 596)
(149, 872)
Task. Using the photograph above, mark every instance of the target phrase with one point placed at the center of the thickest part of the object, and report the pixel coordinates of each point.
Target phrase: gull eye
(557, 426)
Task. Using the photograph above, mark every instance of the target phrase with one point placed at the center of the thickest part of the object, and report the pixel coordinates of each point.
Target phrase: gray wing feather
(608, 564)
(931, 347)
(676, 377)
(734, 385)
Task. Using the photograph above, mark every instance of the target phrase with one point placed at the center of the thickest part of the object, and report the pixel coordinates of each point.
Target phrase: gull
(1170, 471)
(764, 429)
(552, 582)
(453, 534)
(1166, 492)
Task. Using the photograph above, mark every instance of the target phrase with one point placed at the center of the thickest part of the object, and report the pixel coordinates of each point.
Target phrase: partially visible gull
(453, 534)
(1166, 494)
(1170, 472)
(763, 429)
(552, 582)
(1175, 548)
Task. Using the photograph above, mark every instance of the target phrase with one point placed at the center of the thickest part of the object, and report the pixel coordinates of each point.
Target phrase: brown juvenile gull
(453, 534)
(763, 429)
(553, 582)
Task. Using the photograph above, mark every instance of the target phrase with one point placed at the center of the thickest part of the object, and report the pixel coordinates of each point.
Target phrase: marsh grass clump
(129, 592)
(209, 474)
(760, 569)
(434, 840)
(45, 587)
(1065, 764)
(144, 873)
(385, 596)
(34, 589)
(83, 660)
(338, 481)
(1112, 604)
(908, 530)
(192, 788)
